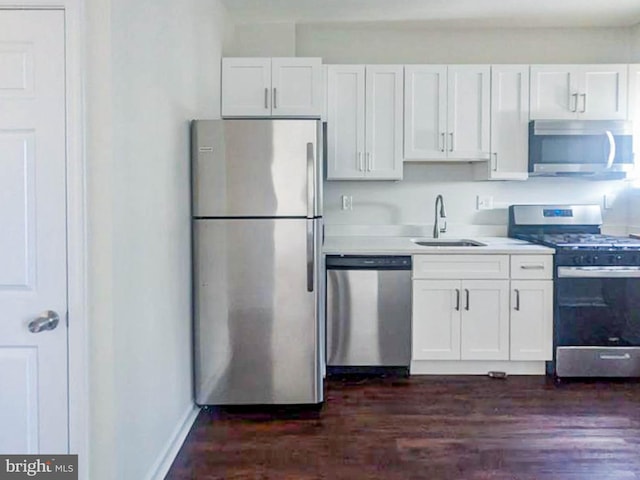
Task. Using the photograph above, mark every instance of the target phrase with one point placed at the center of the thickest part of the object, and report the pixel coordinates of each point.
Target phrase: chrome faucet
(440, 215)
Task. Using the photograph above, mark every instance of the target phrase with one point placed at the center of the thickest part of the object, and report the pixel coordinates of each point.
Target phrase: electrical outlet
(484, 202)
(347, 202)
(608, 200)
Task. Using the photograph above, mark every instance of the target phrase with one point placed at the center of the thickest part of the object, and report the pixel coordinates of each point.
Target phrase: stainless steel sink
(440, 242)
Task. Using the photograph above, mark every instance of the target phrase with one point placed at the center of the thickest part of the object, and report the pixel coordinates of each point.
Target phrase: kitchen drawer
(531, 267)
(461, 266)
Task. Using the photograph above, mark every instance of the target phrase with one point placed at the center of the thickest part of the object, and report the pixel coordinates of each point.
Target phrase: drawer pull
(532, 267)
(608, 356)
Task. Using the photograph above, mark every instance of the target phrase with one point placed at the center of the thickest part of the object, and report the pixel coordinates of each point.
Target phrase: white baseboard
(461, 367)
(162, 465)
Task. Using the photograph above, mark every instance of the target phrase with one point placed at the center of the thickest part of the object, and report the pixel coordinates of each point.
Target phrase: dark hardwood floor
(523, 428)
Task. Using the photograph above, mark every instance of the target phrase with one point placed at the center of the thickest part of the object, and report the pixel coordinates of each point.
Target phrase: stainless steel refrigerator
(257, 233)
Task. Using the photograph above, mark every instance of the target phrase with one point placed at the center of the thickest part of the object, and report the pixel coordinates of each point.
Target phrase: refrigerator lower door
(256, 330)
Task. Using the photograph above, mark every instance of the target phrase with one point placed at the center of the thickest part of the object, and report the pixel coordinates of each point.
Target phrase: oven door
(597, 324)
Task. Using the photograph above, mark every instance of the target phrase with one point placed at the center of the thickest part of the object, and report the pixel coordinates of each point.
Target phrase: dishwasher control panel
(377, 262)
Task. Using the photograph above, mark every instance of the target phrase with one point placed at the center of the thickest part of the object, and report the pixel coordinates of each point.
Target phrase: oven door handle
(598, 272)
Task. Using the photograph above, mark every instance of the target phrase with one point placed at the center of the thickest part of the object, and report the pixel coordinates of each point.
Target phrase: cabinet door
(554, 92)
(425, 112)
(345, 122)
(296, 87)
(383, 107)
(468, 112)
(246, 87)
(485, 320)
(634, 105)
(436, 320)
(531, 319)
(602, 92)
(509, 122)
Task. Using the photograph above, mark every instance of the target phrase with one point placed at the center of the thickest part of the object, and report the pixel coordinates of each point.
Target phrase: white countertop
(397, 245)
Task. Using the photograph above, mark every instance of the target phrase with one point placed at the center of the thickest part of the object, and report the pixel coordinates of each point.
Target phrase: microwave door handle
(612, 149)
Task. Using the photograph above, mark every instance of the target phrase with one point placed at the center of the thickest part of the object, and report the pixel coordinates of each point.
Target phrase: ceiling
(443, 13)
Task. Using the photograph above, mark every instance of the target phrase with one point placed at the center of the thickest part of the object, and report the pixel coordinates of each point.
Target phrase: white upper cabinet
(588, 92)
(634, 105)
(425, 112)
(468, 96)
(246, 87)
(364, 122)
(509, 125)
(345, 121)
(447, 112)
(271, 87)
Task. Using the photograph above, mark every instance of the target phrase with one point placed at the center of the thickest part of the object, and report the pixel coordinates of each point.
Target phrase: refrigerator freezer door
(257, 334)
(257, 168)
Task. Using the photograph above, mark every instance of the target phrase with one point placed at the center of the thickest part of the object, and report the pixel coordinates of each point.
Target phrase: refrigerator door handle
(311, 180)
(311, 254)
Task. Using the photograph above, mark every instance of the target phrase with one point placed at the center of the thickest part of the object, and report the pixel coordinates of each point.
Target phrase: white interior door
(33, 366)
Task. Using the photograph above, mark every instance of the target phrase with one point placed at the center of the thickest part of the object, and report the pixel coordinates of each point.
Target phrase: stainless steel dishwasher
(368, 312)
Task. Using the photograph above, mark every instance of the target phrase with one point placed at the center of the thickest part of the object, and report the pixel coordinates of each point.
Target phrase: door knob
(48, 320)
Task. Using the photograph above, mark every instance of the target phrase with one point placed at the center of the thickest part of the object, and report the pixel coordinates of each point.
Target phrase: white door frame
(78, 332)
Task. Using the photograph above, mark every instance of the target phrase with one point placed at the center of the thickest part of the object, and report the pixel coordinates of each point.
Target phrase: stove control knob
(578, 260)
(595, 259)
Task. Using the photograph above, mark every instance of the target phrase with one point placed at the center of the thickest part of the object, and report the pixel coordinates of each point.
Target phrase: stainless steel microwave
(595, 148)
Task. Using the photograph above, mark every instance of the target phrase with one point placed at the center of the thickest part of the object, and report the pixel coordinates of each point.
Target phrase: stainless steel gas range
(596, 289)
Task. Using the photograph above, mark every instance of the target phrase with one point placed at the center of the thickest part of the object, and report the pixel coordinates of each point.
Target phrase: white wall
(635, 44)
(263, 40)
(411, 201)
(152, 66)
(411, 44)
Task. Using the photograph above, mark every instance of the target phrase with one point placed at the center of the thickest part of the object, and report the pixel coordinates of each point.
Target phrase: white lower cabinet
(489, 320)
(484, 332)
(436, 319)
(531, 320)
(461, 320)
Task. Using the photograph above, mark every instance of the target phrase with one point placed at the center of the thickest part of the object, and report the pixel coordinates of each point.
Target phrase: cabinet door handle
(458, 299)
(266, 97)
(275, 98)
(575, 102)
(443, 142)
(360, 164)
(369, 162)
(466, 292)
(451, 144)
(584, 102)
(532, 267)
(495, 163)
(517, 307)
